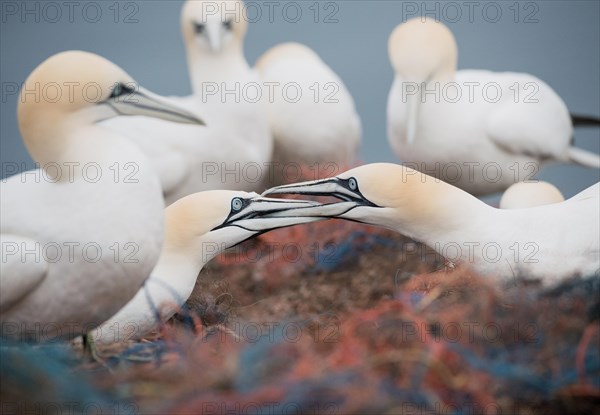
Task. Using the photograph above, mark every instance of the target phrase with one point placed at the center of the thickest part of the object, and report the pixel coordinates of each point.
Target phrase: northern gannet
(530, 194)
(312, 115)
(545, 242)
(234, 149)
(80, 234)
(479, 130)
(198, 228)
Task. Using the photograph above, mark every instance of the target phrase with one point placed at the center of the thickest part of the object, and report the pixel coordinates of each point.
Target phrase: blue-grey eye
(352, 184)
(237, 204)
(227, 24)
(121, 89)
(199, 28)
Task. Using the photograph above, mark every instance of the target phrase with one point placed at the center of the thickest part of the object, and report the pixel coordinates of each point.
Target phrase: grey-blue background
(558, 41)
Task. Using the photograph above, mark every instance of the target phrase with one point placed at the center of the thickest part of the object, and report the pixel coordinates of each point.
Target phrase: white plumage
(80, 234)
(548, 242)
(479, 130)
(233, 149)
(311, 112)
(198, 228)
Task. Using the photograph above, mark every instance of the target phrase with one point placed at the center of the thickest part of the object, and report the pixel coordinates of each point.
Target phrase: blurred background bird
(314, 121)
(232, 150)
(127, 34)
(530, 194)
(65, 226)
(441, 127)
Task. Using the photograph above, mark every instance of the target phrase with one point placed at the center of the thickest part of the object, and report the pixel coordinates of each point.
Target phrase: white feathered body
(97, 239)
(549, 243)
(311, 112)
(478, 140)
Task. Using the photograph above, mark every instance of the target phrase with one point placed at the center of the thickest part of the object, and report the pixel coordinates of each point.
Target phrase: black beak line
(263, 207)
(164, 110)
(137, 98)
(335, 187)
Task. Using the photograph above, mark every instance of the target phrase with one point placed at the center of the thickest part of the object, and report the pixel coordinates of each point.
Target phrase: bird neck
(208, 67)
(183, 255)
(178, 270)
(65, 144)
(437, 214)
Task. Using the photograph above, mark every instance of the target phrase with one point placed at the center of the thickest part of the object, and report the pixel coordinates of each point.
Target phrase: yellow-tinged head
(221, 219)
(68, 83)
(73, 89)
(213, 26)
(422, 49)
(388, 195)
(286, 51)
(530, 194)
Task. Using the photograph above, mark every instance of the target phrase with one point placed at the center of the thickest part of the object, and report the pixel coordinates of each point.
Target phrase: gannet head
(421, 51)
(287, 51)
(78, 88)
(524, 195)
(203, 224)
(213, 26)
(382, 194)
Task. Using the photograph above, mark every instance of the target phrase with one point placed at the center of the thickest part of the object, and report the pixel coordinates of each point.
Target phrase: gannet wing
(22, 268)
(535, 125)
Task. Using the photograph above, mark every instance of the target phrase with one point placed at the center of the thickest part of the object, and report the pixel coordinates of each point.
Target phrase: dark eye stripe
(245, 212)
(199, 27)
(121, 89)
(239, 207)
(349, 193)
(237, 204)
(352, 184)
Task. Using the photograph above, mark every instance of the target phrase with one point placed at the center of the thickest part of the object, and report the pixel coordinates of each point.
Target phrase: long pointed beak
(333, 187)
(144, 102)
(321, 186)
(264, 214)
(213, 32)
(317, 212)
(413, 103)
